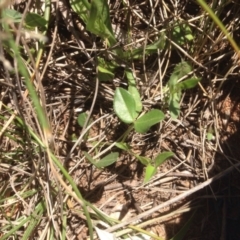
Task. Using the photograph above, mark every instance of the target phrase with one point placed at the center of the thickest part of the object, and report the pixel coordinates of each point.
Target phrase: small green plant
(175, 87)
(127, 107)
(181, 33)
(151, 165)
(98, 22)
(31, 20)
(210, 134)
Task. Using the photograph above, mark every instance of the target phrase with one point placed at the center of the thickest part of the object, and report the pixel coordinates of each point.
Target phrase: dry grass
(66, 81)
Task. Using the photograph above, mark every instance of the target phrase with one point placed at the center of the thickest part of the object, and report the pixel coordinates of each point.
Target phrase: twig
(173, 200)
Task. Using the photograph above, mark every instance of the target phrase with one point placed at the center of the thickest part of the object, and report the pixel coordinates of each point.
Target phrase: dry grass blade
(49, 188)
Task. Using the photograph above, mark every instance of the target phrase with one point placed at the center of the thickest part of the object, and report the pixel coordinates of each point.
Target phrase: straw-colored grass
(49, 74)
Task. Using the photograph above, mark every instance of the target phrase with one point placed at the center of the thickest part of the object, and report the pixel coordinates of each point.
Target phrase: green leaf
(162, 157)
(82, 117)
(172, 81)
(11, 14)
(124, 105)
(89, 158)
(81, 7)
(105, 70)
(136, 96)
(108, 160)
(149, 49)
(210, 136)
(149, 119)
(31, 20)
(175, 88)
(35, 20)
(122, 145)
(104, 75)
(188, 83)
(132, 89)
(130, 77)
(182, 33)
(150, 172)
(174, 105)
(144, 160)
(180, 70)
(99, 21)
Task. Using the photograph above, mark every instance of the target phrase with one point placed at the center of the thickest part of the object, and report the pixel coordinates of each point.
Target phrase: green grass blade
(35, 218)
(38, 209)
(23, 71)
(220, 25)
(14, 229)
(75, 188)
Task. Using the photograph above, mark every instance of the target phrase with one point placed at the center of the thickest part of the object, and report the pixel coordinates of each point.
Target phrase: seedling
(210, 134)
(98, 22)
(151, 165)
(176, 88)
(182, 33)
(127, 108)
(104, 162)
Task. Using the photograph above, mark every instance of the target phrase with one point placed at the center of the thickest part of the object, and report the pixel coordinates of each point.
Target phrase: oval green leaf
(35, 20)
(82, 117)
(98, 21)
(174, 106)
(124, 105)
(108, 160)
(150, 172)
(144, 160)
(136, 96)
(162, 157)
(149, 119)
(89, 158)
(81, 8)
(130, 77)
(122, 145)
(12, 14)
(189, 83)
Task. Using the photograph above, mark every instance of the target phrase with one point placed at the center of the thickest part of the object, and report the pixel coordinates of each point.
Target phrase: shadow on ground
(218, 214)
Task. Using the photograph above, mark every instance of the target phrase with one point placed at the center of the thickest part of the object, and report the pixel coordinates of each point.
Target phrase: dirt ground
(205, 138)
